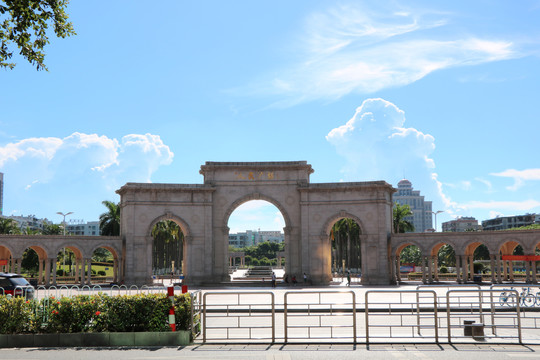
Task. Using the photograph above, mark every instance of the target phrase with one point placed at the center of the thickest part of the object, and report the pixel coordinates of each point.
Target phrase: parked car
(15, 285)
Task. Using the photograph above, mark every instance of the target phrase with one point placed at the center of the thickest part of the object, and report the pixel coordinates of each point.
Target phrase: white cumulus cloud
(377, 145)
(77, 169)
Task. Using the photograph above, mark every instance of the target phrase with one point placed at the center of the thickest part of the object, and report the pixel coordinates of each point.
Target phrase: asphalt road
(282, 352)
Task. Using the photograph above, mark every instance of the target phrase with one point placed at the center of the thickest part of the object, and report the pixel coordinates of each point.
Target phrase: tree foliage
(400, 213)
(52, 229)
(345, 237)
(264, 253)
(109, 222)
(411, 255)
(8, 226)
(25, 24)
(167, 246)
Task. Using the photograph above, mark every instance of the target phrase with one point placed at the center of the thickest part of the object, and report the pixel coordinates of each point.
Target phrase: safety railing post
(204, 318)
(448, 324)
(285, 330)
(273, 319)
(367, 317)
(354, 316)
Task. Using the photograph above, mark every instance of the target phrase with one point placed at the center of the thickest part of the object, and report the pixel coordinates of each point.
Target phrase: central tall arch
(203, 212)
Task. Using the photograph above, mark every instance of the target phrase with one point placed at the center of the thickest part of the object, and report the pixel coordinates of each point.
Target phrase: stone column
(527, 272)
(492, 264)
(115, 270)
(458, 269)
(471, 267)
(89, 270)
(12, 269)
(511, 269)
(54, 271)
(534, 277)
(398, 269)
(465, 268)
(395, 264)
(392, 265)
(40, 272)
(430, 269)
(47, 271)
(499, 270)
(83, 271)
(436, 267)
(424, 280)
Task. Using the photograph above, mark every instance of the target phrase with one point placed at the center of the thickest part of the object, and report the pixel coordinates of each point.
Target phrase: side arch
(327, 226)
(177, 219)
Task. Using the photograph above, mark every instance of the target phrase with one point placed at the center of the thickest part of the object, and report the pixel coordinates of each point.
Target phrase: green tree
(400, 215)
(9, 226)
(167, 245)
(109, 222)
(52, 229)
(25, 23)
(345, 237)
(411, 255)
(447, 256)
(30, 261)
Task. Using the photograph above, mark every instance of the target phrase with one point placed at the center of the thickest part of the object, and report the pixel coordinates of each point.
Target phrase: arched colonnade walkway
(47, 247)
(499, 244)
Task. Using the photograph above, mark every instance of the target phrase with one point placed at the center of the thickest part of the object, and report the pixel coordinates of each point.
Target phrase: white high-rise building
(422, 216)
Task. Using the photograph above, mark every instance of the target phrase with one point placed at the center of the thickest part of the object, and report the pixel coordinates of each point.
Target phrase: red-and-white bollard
(172, 318)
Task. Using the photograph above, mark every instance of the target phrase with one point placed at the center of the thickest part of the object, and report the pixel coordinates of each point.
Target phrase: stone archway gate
(309, 210)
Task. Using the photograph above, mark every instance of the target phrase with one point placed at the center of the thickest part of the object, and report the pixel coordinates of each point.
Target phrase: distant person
(305, 279)
(294, 280)
(286, 278)
(273, 279)
(348, 278)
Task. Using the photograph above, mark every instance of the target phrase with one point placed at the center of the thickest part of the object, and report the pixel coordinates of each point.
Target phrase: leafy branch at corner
(25, 24)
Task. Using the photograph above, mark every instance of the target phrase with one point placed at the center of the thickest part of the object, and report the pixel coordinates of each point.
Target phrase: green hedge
(95, 313)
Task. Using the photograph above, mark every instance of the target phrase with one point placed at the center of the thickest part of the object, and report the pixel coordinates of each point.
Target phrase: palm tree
(345, 236)
(167, 246)
(9, 226)
(401, 212)
(109, 222)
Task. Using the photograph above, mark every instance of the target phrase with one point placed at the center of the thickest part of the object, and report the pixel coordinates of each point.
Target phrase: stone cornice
(145, 187)
(383, 185)
(270, 165)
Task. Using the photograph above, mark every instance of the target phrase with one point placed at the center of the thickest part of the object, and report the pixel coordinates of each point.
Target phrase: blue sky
(442, 93)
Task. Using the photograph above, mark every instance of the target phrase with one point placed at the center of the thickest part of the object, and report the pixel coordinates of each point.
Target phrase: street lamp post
(64, 250)
(435, 213)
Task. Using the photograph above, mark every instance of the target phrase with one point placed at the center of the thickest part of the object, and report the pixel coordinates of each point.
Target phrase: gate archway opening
(346, 248)
(256, 241)
(168, 250)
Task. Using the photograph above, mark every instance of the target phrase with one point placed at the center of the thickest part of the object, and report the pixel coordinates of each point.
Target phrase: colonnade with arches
(499, 244)
(12, 248)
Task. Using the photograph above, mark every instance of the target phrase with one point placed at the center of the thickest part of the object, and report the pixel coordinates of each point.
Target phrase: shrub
(96, 313)
(101, 273)
(443, 270)
(60, 272)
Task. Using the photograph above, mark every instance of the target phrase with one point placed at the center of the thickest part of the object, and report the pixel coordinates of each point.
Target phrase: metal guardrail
(239, 320)
(480, 305)
(327, 315)
(405, 312)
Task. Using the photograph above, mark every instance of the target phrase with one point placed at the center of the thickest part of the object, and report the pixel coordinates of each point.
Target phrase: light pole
(64, 221)
(64, 250)
(435, 213)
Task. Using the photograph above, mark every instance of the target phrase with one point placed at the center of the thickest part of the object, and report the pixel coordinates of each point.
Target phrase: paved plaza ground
(282, 352)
